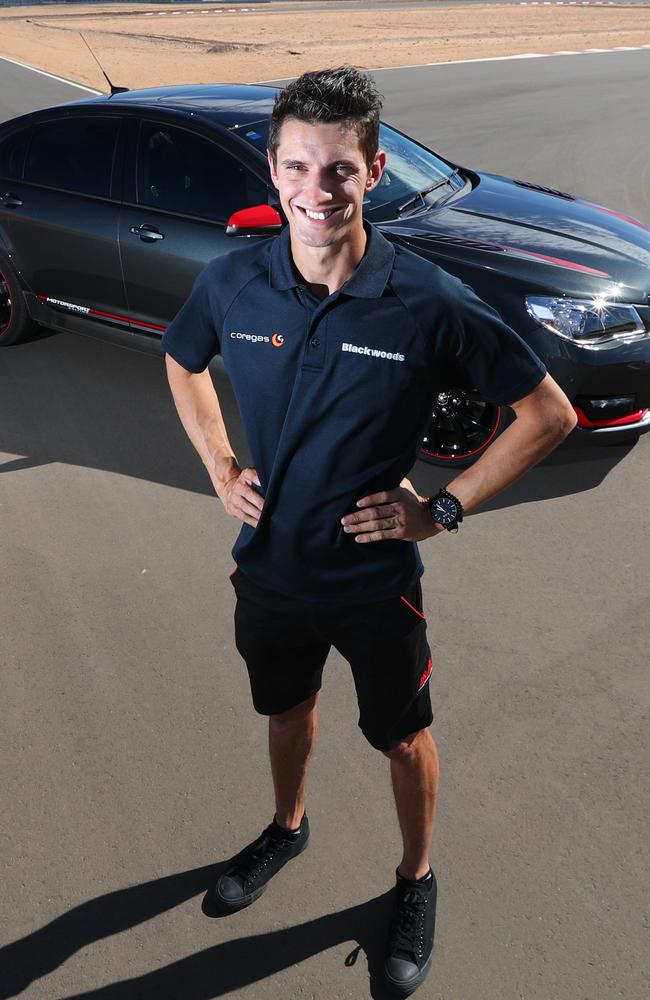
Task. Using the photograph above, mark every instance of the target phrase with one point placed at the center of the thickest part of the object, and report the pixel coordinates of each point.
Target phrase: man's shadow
(77, 401)
(576, 467)
(214, 972)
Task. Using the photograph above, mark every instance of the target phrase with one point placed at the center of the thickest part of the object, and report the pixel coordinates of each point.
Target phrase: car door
(185, 187)
(60, 216)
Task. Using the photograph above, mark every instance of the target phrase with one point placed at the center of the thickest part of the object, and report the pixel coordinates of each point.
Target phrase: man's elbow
(564, 420)
(550, 414)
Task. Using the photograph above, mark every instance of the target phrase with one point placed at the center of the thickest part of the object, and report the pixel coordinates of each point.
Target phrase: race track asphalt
(132, 762)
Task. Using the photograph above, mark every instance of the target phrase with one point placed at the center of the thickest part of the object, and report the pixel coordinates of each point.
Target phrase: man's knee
(296, 714)
(410, 745)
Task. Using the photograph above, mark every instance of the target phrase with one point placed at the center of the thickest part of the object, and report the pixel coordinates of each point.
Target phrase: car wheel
(15, 321)
(461, 427)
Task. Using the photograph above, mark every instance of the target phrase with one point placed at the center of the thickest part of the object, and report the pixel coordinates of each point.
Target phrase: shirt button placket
(314, 355)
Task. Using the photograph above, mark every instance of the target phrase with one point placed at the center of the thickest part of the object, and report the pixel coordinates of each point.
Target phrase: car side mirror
(260, 220)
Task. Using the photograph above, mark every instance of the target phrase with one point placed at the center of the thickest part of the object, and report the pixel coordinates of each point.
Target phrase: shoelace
(250, 868)
(407, 932)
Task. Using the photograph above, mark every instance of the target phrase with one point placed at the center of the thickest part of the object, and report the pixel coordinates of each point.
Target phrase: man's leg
(415, 772)
(409, 948)
(292, 737)
(284, 658)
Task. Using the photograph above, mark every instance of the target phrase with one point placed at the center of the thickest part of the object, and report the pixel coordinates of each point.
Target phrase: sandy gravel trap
(146, 45)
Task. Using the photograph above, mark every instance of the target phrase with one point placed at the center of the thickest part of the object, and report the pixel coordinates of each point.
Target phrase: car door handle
(11, 200)
(148, 234)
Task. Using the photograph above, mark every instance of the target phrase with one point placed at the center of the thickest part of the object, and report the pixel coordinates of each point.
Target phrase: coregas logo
(276, 339)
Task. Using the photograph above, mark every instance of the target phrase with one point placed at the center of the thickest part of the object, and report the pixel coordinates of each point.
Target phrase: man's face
(322, 177)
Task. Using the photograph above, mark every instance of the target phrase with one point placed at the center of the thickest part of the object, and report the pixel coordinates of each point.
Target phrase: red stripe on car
(619, 215)
(631, 418)
(121, 319)
(559, 261)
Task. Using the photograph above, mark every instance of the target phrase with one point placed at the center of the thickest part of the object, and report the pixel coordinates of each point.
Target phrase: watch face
(444, 510)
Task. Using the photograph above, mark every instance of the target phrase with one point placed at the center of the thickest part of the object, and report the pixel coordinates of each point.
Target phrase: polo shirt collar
(368, 280)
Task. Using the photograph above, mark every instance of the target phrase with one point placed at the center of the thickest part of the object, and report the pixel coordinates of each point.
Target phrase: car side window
(180, 171)
(12, 154)
(73, 154)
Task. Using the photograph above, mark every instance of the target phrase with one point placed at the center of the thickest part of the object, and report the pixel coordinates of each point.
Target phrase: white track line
(484, 59)
(511, 3)
(523, 55)
(60, 79)
(382, 69)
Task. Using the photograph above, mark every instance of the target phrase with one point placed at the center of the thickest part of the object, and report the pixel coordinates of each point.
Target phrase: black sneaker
(249, 872)
(409, 948)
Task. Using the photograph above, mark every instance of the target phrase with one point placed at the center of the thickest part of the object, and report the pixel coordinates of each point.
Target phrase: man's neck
(326, 269)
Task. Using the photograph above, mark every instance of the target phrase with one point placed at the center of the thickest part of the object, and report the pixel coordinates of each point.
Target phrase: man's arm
(544, 418)
(200, 413)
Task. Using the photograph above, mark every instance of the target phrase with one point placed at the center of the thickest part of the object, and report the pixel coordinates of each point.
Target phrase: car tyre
(462, 426)
(15, 321)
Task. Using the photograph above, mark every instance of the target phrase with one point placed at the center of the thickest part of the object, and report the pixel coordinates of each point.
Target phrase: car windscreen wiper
(420, 194)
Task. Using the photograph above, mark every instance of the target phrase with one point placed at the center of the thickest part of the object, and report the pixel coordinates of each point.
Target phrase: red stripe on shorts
(424, 676)
(411, 607)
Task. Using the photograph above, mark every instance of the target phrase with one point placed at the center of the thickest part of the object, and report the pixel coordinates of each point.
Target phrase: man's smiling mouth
(317, 216)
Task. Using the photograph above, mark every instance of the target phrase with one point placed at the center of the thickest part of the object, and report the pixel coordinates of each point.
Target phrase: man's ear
(274, 175)
(376, 170)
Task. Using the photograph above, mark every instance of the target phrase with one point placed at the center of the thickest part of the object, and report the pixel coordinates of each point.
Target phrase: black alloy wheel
(15, 321)
(463, 424)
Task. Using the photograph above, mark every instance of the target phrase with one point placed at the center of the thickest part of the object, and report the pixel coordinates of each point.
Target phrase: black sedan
(110, 207)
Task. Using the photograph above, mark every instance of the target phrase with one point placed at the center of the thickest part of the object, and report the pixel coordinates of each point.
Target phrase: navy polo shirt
(335, 395)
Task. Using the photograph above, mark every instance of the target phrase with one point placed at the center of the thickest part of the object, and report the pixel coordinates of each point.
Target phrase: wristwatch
(445, 509)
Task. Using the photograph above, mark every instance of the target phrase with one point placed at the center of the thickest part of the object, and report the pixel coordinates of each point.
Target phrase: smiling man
(335, 341)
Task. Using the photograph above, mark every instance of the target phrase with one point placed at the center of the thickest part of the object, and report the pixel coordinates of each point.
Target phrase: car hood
(560, 241)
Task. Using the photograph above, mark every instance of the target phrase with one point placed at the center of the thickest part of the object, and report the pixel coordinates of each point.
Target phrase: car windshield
(410, 170)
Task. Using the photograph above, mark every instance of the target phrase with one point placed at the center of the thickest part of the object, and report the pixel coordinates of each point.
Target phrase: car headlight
(588, 322)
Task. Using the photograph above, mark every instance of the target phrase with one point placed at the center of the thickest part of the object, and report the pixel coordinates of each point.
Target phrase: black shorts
(285, 643)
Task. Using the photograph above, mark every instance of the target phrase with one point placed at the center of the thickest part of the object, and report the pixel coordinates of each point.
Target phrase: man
(334, 340)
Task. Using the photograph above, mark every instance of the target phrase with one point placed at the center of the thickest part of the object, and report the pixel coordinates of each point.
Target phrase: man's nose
(319, 187)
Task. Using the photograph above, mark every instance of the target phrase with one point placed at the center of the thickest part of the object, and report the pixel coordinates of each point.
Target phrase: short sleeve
(192, 338)
(485, 351)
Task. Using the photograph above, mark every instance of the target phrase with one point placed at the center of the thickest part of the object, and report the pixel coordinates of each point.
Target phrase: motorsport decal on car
(78, 310)
(70, 306)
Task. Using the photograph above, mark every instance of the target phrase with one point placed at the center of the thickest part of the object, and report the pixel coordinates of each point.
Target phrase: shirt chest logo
(372, 352)
(275, 340)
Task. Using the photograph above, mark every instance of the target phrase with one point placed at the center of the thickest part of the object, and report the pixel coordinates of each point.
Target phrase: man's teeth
(318, 215)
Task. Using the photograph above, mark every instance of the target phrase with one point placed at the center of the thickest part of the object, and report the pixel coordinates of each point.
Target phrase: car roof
(229, 104)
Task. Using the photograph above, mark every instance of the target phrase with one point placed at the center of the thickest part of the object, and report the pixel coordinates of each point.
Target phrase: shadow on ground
(214, 972)
(572, 469)
(81, 402)
(78, 401)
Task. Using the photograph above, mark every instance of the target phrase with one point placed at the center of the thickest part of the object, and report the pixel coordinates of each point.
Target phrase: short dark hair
(345, 95)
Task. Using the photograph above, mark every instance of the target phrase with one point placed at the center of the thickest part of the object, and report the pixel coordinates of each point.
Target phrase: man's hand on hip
(240, 499)
(395, 514)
